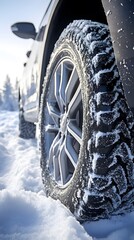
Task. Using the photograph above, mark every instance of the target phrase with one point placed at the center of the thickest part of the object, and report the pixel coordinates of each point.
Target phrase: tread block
(106, 139)
(108, 117)
(102, 164)
(119, 177)
(101, 183)
(124, 152)
(122, 127)
(113, 196)
(106, 98)
(101, 61)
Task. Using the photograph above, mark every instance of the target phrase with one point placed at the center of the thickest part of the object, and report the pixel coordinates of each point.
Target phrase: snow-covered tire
(27, 130)
(101, 178)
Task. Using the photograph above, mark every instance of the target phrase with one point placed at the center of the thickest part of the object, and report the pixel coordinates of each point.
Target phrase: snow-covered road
(25, 212)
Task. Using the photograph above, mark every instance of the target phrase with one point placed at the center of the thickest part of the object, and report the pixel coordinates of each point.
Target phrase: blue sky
(12, 48)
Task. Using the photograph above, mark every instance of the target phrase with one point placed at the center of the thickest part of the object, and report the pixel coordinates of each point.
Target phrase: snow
(25, 212)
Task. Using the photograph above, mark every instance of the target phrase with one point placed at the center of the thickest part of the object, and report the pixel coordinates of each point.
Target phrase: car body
(52, 24)
(33, 90)
(57, 16)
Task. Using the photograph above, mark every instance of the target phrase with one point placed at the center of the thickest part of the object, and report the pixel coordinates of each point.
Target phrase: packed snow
(25, 212)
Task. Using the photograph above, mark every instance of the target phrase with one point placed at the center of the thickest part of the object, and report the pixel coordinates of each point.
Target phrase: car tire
(27, 130)
(86, 125)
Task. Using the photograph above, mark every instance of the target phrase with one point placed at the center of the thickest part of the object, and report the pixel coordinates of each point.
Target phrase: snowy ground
(25, 212)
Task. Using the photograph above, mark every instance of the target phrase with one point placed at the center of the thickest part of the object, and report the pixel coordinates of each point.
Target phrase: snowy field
(25, 212)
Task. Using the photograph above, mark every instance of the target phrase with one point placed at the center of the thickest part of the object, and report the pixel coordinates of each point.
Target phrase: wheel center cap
(63, 123)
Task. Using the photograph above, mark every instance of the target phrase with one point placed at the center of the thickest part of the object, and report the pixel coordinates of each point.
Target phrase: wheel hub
(63, 123)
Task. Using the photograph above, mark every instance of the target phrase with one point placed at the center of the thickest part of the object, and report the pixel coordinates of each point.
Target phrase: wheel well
(66, 11)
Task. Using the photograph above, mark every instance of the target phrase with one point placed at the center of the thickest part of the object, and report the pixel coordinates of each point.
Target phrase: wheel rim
(63, 123)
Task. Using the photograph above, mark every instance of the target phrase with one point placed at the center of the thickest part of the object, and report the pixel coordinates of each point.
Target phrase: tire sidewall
(68, 193)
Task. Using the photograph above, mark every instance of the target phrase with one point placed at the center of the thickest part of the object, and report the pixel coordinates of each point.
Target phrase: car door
(32, 73)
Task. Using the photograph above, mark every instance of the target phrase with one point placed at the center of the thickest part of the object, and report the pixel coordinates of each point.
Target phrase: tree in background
(8, 96)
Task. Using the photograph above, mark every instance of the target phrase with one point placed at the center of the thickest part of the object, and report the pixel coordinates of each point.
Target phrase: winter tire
(86, 125)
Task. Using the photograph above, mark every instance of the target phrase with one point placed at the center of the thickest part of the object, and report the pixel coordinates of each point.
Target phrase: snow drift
(25, 212)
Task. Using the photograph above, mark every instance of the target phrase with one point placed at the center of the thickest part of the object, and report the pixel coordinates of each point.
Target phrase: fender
(120, 18)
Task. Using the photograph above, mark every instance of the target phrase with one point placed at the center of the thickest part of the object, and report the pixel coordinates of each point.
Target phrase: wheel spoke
(75, 131)
(56, 168)
(75, 102)
(72, 155)
(51, 128)
(63, 83)
(70, 85)
(54, 113)
(56, 88)
(53, 150)
(63, 164)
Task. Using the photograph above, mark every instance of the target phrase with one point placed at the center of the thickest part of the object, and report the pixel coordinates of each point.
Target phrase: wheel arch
(64, 12)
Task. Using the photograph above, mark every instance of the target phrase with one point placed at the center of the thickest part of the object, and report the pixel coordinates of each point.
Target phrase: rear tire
(27, 130)
(102, 180)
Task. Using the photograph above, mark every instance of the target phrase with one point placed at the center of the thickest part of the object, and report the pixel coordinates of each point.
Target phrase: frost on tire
(91, 141)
